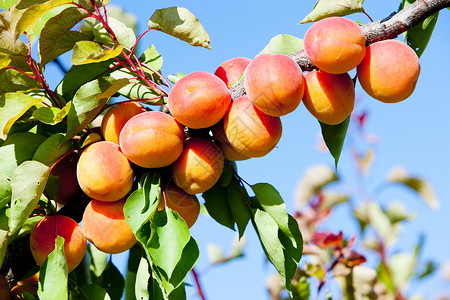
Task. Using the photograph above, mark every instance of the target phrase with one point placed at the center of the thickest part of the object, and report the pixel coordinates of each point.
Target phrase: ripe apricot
(249, 130)
(103, 172)
(389, 71)
(199, 166)
(329, 97)
(105, 226)
(43, 239)
(152, 139)
(231, 70)
(228, 150)
(274, 83)
(199, 100)
(335, 45)
(186, 205)
(116, 117)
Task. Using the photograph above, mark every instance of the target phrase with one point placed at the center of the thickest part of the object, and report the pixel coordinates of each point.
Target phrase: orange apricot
(330, 98)
(228, 150)
(186, 205)
(231, 70)
(199, 166)
(249, 130)
(335, 45)
(199, 100)
(389, 71)
(43, 240)
(116, 117)
(106, 228)
(104, 173)
(274, 83)
(152, 139)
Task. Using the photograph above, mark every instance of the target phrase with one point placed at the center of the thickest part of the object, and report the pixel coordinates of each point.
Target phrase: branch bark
(388, 28)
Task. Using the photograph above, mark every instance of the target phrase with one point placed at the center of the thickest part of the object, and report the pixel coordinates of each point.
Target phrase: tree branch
(387, 28)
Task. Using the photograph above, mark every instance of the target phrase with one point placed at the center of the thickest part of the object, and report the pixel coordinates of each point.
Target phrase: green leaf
(301, 289)
(419, 36)
(53, 277)
(142, 203)
(125, 35)
(17, 148)
(6, 4)
(14, 81)
(180, 23)
(47, 115)
(217, 205)
(86, 52)
(57, 38)
(26, 17)
(88, 102)
(94, 291)
(168, 238)
(98, 260)
(112, 281)
(334, 137)
(4, 234)
(402, 267)
(175, 78)
(12, 107)
(333, 8)
(422, 187)
(50, 151)
(283, 43)
(142, 280)
(5, 192)
(27, 183)
(238, 200)
(151, 58)
(4, 61)
(278, 247)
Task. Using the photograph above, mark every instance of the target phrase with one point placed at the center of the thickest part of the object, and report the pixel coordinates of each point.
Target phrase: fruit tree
(117, 156)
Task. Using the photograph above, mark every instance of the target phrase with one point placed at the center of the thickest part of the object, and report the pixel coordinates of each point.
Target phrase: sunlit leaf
(4, 61)
(215, 253)
(12, 107)
(142, 280)
(124, 35)
(419, 185)
(180, 23)
(50, 150)
(6, 4)
(53, 274)
(14, 81)
(86, 52)
(300, 289)
(283, 43)
(334, 137)
(333, 8)
(27, 183)
(98, 260)
(402, 267)
(4, 234)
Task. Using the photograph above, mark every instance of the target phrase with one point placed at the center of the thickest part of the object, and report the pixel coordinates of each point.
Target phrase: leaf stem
(197, 283)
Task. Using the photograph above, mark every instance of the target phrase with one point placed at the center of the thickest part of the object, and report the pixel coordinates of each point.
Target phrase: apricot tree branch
(388, 28)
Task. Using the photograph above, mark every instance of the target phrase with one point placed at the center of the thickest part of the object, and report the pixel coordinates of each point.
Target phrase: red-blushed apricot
(152, 139)
(329, 97)
(228, 150)
(274, 83)
(106, 228)
(43, 239)
(335, 45)
(199, 100)
(199, 166)
(249, 130)
(231, 70)
(389, 71)
(186, 205)
(116, 117)
(5, 293)
(62, 184)
(104, 173)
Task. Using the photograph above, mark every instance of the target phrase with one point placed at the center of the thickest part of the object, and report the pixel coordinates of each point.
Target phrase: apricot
(389, 71)
(228, 150)
(152, 139)
(199, 166)
(186, 205)
(16, 291)
(104, 173)
(231, 70)
(116, 117)
(62, 184)
(249, 130)
(329, 97)
(199, 100)
(105, 226)
(335, 45)
(274, 83)
(43, 240)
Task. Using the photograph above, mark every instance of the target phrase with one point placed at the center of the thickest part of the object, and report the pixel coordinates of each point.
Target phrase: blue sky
(412, 134)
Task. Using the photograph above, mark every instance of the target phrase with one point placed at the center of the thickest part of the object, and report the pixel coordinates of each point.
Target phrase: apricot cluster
(387, 70)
